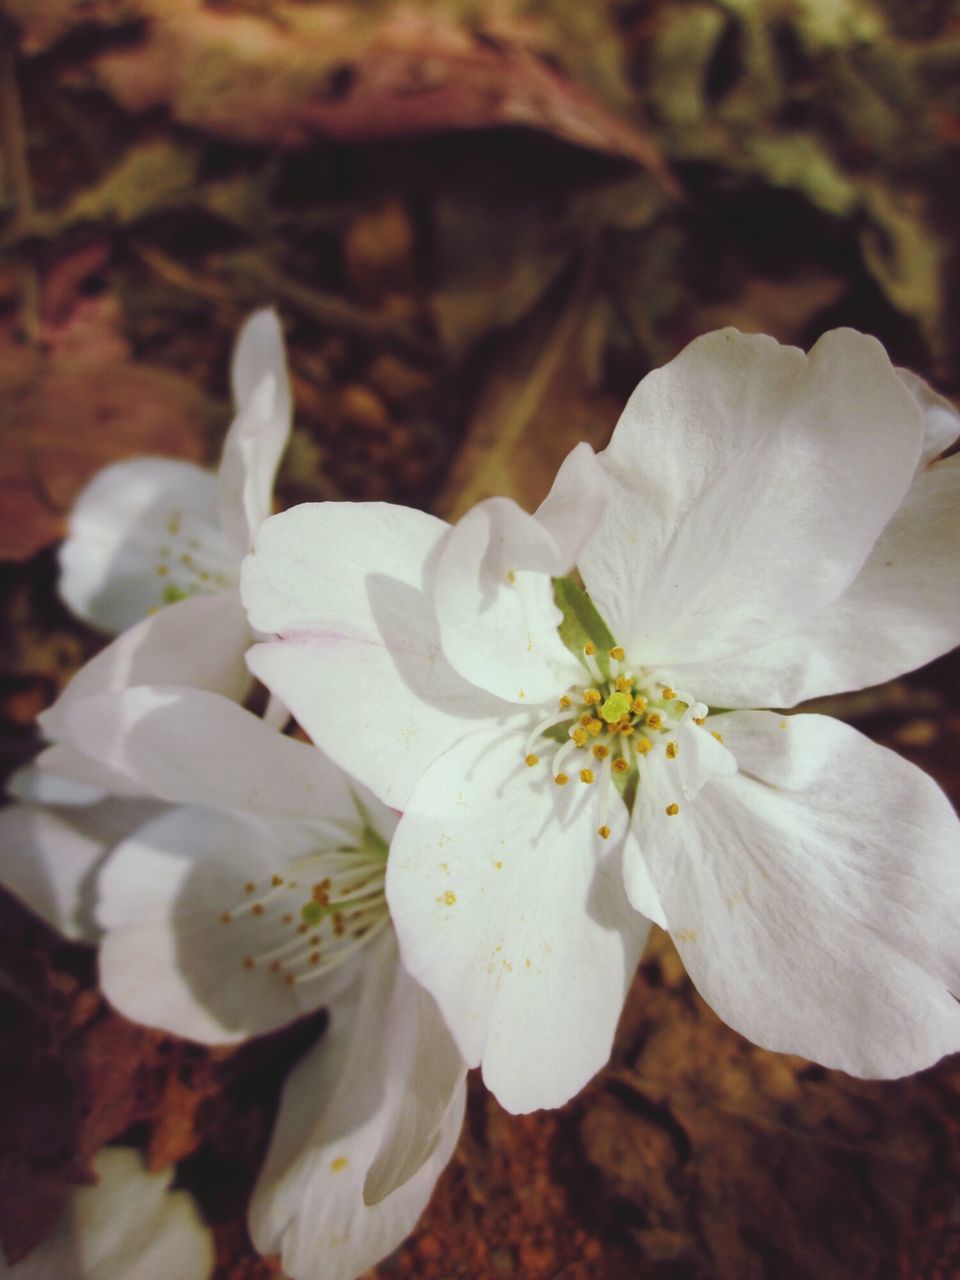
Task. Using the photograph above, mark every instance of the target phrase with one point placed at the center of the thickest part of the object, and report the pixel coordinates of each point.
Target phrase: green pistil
(615, 708)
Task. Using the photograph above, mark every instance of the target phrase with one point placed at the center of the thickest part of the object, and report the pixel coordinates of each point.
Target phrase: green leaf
(581, 622)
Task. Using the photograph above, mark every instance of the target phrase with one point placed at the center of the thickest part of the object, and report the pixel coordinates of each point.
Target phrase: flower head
(764, 525)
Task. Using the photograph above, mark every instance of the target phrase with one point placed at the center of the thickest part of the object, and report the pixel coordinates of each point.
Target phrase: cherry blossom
(764, 526)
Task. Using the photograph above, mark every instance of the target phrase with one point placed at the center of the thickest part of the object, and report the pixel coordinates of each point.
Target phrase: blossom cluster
(531, 737)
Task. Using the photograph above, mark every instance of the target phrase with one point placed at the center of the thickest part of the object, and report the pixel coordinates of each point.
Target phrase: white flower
(154, 552)
(126, 1226)
(255, 895)
(775, 527)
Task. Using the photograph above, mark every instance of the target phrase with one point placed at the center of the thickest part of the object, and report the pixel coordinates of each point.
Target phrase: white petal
(510, 910)
(750, 483)
(336, 1114)
(636, 878)
(359, 663)
(941, 421)
(127, 1226)
(902, 610)
(167, 649)
(168, 958)
(66, 765)
(187, 746)
(49, 858)
(38, 787)
(141, 532)
(572, 510)
(493, 595)
(814, 895)
(259, 432)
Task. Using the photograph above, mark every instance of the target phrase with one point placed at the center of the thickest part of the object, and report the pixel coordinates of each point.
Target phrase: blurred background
(481, 221)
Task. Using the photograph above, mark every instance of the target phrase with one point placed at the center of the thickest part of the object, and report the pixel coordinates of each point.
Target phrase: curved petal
(572, 510)
(259, 433)
(65, 764)
(941, 421)
(143, 533)
(38, 787)
(493, 596)
(183, 948)
(336, 1114)
(902, 610)
(49, 859)
(510, 910)
(127, 1226)
(813, 896)
(359, 662)
(750, 483)
(198, 643)
(187, 746)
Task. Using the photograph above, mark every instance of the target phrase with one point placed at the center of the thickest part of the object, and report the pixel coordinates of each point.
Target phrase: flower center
(311, 918)
(610, 730)
(193, 558)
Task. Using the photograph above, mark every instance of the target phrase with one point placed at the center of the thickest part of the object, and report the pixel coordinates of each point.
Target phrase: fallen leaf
(71, 409)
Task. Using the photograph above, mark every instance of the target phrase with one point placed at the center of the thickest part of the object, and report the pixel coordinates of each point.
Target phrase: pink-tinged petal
(359, 661)
(902, 610)
(813, 896)
(510, 910)
(199, 643)
(941, 420)
(338, 1111)
(259, 433)
(49, 858)
(749, 484)
(143, 532)
(183, 949)
(187, 746)
(127, 1226)
(493, 595)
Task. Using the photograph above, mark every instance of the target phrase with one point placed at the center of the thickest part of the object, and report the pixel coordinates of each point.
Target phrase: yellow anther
(277, 881)
(249, 887)
(586, 775)
(600, 752)
(589, 648)
(591, 697)
(654, 720)
(623, 684)
(561, 779)
(579, 736)
(626, 729)
(698, 719)
(620, 765)
(257, 908)
(511, 577)
(586, 718)
(718, 736)
(226, 918)
(564, 702)
(617, 653)
(531, 760)
(594, 726)
(642, 746)
(668, 694)
(672, 750)
(603, 832)
(639, 704)
(672, 810)
(615, 708)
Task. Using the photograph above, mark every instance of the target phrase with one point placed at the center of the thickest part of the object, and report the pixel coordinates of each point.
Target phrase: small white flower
(254, 895)
(127, 1226)
(774, 527)
(154, 552)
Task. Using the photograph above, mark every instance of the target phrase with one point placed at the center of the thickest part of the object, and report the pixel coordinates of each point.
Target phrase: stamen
(672, 810)
(542, 728)
(590, 661)
(592, 697)
(604, 832)
(530, 760)
(587, 775)
(672, 750)
(622, 764)
(561, 755)
(654, 720)
(561, 779)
